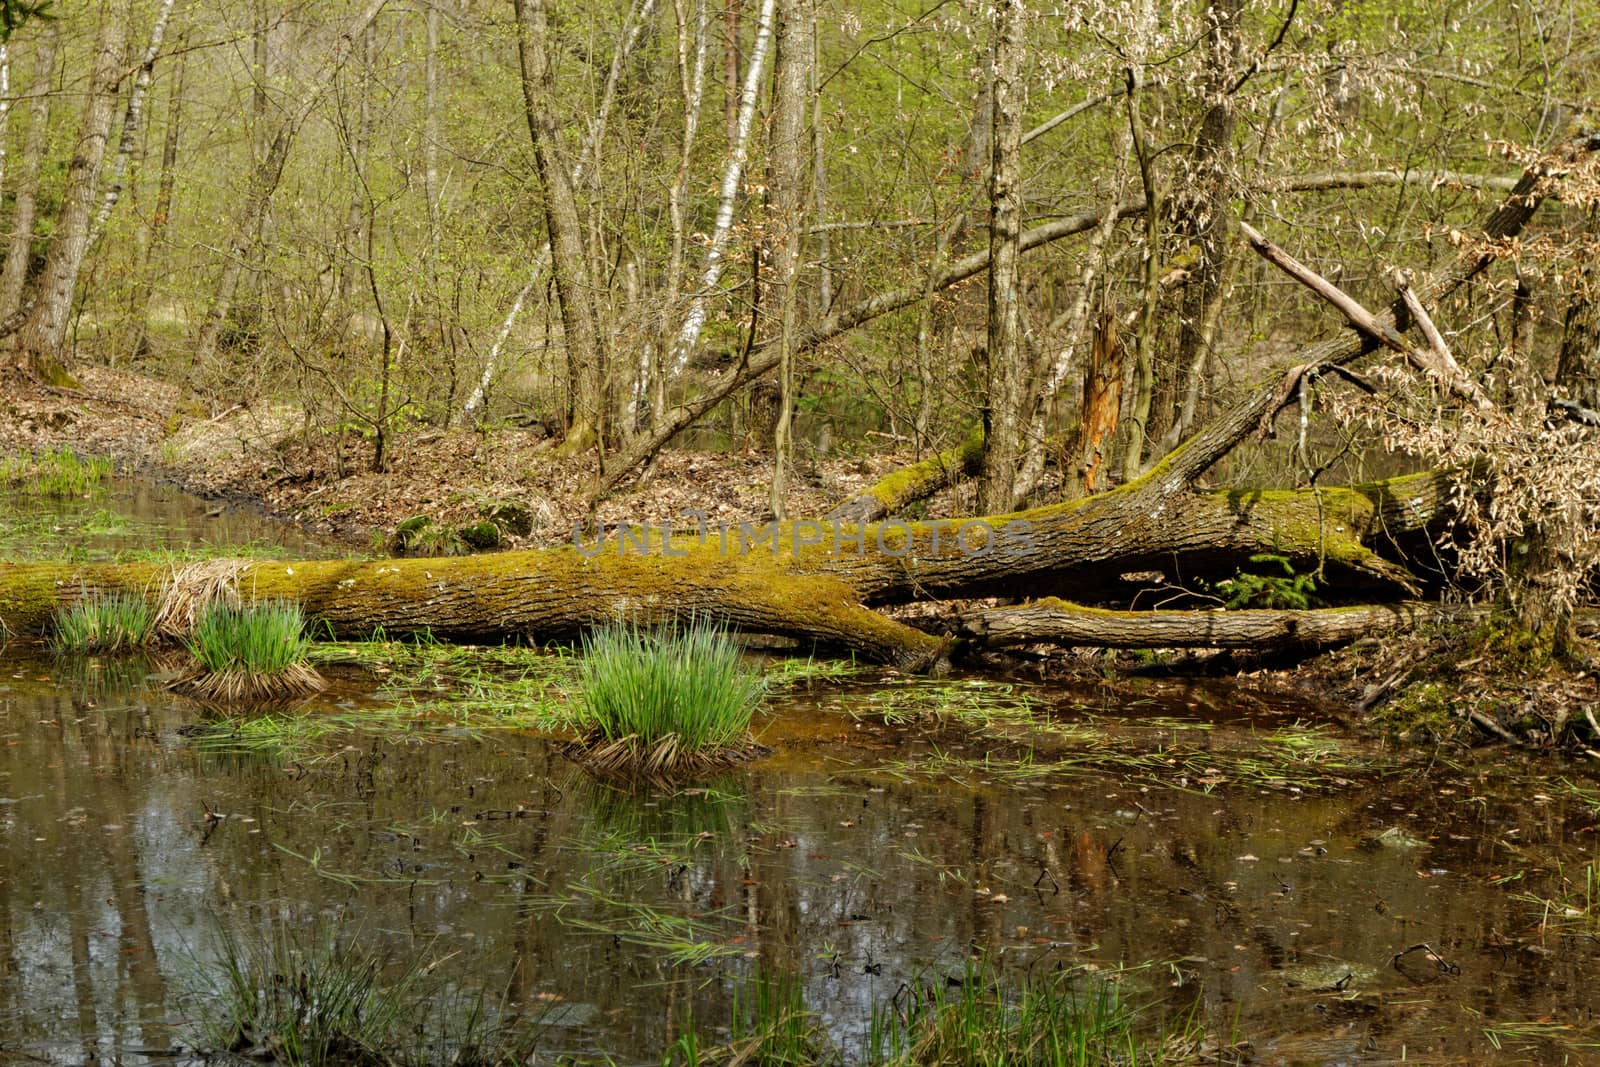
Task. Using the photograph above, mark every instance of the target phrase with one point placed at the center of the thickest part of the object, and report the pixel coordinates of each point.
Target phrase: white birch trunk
(695, 319)
(132, 121)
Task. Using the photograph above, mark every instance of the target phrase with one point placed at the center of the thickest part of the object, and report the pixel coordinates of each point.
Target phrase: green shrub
(103, 622)
(663, 700)
(1291, 591)
(250, 651)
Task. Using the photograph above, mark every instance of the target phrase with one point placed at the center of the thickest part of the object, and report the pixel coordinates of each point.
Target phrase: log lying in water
(810, 579)
(1056, 622)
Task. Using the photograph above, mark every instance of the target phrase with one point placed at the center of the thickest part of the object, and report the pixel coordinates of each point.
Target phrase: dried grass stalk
(191, 588)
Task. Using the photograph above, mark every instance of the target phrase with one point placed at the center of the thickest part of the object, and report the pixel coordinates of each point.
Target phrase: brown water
(1277, 904)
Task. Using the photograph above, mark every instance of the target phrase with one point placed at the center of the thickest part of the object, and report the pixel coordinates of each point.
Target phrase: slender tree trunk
(40, 340)
(19, 253)
(730, 70)
(819, 185)
(430, 131)
(5, 105)
(738, 153)
(786, 165)
(1095, 424)
(161, 216)
(692, 57)
(569, 264)
(1006, 364)
(268, 172)
(1142, 392)
(1203, 217)
(132, 120)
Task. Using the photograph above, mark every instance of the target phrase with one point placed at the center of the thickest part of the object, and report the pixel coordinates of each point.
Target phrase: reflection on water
(614, 915)
(133, 517)
(1323, 913)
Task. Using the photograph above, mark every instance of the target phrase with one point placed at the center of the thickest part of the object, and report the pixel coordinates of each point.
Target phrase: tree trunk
(569, 264)
(1057, 622)
(19, 253)
(40, 340)
(694, 318)
(161, 216)
(816, 580)
(908, 485)
(786, 166)
(1202, 217)
(132, 121)
(1005, 365)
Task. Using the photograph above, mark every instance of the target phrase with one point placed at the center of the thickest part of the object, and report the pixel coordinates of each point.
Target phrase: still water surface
(1277, 903)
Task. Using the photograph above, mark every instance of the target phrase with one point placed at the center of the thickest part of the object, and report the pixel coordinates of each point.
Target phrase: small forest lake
(1240, 865)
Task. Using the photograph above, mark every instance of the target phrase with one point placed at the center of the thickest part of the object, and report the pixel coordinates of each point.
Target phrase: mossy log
(1053, 621)
(917, 481)
(812, 579)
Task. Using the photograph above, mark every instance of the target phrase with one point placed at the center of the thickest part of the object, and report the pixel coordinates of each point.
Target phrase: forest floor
(1413, 686)
(269, 456)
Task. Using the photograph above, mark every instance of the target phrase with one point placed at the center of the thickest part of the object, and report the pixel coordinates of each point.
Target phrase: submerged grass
(665, 700)
(60, 473)
(318, 999)
(103, 622)
(1071, 1018)
(1304, 758)
(250, 652)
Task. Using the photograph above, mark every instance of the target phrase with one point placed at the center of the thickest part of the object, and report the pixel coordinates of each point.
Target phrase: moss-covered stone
(483, 536)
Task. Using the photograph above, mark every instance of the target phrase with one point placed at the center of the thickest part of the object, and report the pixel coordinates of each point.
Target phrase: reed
(663, 701)
(250, 652)
(103, 622)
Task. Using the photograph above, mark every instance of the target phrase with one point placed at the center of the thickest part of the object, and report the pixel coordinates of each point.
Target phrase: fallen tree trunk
(1056, 622)
(1052, 621)
(808, 579)
(906, 486)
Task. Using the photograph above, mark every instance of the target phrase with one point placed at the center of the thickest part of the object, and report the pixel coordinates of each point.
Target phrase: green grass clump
(1061, 1019)
(103, 622)
(321, 1000)
(59, 473)
(1068, 1018)
(661, 701)
(251, 651)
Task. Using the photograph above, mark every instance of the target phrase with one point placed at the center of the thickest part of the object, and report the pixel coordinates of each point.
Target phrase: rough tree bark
(1005, 365)
(569, 265)
(808, 579)
(38, 343)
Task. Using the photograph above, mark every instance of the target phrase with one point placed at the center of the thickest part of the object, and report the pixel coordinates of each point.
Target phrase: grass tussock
(661, 702)
(61, 473)
(250, 652)
(319, 1000)
(103, 622)
(1059, 1019)
(192, 588)
(1069, 1018)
